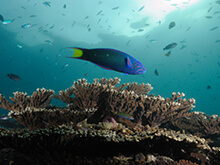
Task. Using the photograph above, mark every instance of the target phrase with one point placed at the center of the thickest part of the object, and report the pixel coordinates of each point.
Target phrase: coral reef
(102, 115)
(96, 145)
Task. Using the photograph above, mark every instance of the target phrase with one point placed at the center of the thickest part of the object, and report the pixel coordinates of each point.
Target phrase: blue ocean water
(139, 28)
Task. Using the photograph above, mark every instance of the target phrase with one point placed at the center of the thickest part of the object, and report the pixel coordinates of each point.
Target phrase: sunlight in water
(160, 8)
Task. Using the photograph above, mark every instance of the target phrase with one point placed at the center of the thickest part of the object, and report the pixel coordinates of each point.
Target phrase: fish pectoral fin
(128, 62)
(103, 67)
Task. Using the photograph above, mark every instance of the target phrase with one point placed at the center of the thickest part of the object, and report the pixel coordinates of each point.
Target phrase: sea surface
(35, 34)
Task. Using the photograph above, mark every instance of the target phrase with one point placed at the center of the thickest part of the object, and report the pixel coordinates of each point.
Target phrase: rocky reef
(107, 123)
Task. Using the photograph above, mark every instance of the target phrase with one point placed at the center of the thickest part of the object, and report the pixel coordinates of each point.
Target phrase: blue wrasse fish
(110, 59)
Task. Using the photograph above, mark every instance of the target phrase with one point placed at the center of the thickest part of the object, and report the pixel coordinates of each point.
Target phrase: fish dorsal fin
(129, 63)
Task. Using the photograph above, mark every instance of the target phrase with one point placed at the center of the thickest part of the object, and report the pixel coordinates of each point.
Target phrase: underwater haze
(178, 42)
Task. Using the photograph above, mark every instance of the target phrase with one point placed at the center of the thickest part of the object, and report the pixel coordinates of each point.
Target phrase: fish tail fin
(78, 52)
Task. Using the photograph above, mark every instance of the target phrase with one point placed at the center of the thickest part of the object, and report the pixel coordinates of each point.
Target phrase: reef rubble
(89, 129)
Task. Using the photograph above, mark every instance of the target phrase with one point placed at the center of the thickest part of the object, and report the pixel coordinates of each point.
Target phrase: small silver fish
(26, 26)
(4, 118)
(47, 4)
(216, 12)
(208, 17)
(64, 66)
(214, 28)
(141, 8)
(6, 22)
(49, 42)
(153, 41)
(115, 8)
(209, 9)
(33, 16)
(183, 46)
(19, 46)
(99, 12)
(140, 30)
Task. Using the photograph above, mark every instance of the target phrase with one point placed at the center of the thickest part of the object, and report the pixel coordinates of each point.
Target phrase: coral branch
(212, 125)
(143, 89)
(34, 118)
(39, 99)
(5, 104)
(160, 110)
(199, 124)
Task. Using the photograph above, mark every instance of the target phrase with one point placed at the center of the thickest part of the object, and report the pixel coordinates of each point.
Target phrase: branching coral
(211, 126)
(122, 102)
(5, 104)
(86, 95)
(199, 124)
(143, 89)
(39, 99)
(31, 111)
(108, 99)
(159, 110)
(34, 118)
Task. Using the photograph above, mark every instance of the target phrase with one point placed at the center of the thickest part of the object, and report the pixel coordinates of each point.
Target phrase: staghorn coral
(103, 95)
(34, 118)
(121, 101)
(108, 99)
(86, 95)
(159, 110)
(211, 126)
(199, 124)
(200, 157)
(139, 89)
(5, 104)
(39, 99)
(186, 162)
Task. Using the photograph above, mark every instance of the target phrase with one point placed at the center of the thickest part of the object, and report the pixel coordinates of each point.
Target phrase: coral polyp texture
(136, 126)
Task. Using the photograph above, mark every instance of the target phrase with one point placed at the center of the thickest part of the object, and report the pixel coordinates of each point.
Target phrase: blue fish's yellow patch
(77, 52)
